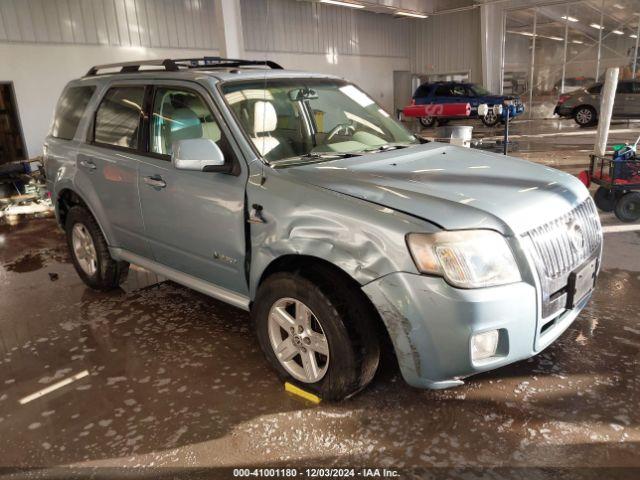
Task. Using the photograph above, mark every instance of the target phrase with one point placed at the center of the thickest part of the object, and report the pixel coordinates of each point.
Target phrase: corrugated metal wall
(448, 43)
(305, 27)
(128, 23)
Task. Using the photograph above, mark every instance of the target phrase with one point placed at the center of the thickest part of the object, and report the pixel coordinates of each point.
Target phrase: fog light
(484, 345)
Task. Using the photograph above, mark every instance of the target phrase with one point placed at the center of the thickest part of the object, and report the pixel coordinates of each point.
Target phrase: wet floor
(163, 377)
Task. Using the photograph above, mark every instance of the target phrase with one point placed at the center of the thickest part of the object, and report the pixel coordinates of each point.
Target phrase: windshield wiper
(384, 148)
(313, 156)
(328, 155)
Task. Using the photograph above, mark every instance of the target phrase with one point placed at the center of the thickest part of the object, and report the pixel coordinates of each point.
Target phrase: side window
(69, 111)
(458, 91)
(624, 87)
(443, 91)
(182, 115)
(118, 117)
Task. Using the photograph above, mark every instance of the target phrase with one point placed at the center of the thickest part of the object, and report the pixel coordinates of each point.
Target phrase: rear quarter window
(69, 111)
(595, 89)
(422, 91)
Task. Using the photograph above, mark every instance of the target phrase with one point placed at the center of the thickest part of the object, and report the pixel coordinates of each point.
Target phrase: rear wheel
(318, 336)
(628, 207)
(585, 116)
(605, 199)
(90, 253)
(427, 122)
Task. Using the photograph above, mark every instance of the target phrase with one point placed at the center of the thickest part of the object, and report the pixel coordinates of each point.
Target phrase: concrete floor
(171, 379)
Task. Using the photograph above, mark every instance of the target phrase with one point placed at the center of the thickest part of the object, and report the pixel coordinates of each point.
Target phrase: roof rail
(130, 67)
(174, 65)
(220, 62)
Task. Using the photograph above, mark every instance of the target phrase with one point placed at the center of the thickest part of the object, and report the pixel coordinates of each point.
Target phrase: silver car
(296, 197)
(583, 105)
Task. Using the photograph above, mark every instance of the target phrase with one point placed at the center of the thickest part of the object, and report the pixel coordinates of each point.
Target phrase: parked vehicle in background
(458, 92)
(573, 84)
(584, 105)
(298, 198)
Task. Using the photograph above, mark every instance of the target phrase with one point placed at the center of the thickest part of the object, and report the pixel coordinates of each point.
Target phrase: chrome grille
(555, 243)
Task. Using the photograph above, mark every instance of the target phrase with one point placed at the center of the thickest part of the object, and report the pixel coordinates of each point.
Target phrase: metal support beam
(635, 56)
(600, 40)
(566, 41)
(533, 61)
(229, 28)
(503, 51)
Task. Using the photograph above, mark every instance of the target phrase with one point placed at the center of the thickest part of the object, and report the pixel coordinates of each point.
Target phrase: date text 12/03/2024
(315, 473)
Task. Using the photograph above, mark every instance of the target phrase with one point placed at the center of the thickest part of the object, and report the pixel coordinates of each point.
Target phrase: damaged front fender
(364, 240)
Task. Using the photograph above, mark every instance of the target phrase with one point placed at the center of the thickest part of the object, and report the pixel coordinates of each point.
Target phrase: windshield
(311, 118)
(480, 91)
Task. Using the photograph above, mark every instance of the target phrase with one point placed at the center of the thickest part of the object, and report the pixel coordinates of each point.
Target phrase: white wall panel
(306, 27)
(448, 43)
(125, 23)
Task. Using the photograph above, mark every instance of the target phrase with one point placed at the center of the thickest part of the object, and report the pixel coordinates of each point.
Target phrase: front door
(623, 93)
(194, 221)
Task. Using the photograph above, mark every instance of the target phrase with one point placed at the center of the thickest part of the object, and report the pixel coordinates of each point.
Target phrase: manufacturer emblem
(576, 236)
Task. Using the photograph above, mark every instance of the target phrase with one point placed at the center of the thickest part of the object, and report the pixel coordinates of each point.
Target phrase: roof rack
(174, 65)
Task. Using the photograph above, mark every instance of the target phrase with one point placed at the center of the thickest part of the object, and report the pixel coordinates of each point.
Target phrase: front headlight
(466, 258)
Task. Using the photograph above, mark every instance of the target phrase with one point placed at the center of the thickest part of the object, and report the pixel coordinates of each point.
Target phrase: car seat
(265, 121)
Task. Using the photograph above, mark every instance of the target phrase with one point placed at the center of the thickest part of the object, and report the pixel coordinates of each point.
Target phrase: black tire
(628, 207)
(585, 116)
(443, 121)
(346, 319)
(109, 272)
(605, 199)
(428, 122)
(491, 119)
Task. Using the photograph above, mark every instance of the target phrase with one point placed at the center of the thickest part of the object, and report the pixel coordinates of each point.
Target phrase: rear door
(194, 221)
(108, 165)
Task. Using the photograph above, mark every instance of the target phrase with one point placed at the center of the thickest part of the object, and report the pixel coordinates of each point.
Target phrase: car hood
(452, 187)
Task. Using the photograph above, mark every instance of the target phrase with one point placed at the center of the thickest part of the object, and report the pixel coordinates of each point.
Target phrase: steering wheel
(343, 128)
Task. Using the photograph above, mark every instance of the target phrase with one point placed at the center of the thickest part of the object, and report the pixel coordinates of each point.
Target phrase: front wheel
(90, 253)
(316, 336)
(491, 119)
(628, 207)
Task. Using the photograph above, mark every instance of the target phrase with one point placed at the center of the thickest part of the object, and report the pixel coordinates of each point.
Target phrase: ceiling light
(618, 6)
(595, 25)
(571, 19)
(342, 4)
(411, 14)
(633, 35)
(618, 32)
(559, 39)
(579, 42)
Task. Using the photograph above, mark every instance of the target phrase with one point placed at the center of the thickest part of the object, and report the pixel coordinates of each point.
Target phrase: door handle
(155, 181)
(88, 164)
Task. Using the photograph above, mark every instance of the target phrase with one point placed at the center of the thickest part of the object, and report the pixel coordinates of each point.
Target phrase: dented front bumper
(431, 325)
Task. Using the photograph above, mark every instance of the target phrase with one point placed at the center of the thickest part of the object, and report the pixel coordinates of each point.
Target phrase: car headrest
(184, 124)
(265, 118)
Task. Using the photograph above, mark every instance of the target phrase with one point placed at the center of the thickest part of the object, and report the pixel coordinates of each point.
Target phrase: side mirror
(198, 154)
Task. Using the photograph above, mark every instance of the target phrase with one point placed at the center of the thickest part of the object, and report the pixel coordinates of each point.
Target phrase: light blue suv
(296, 197)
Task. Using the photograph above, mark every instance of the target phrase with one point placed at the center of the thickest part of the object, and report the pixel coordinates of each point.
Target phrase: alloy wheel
(584, 116)
(298, 340)
(84, 249)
